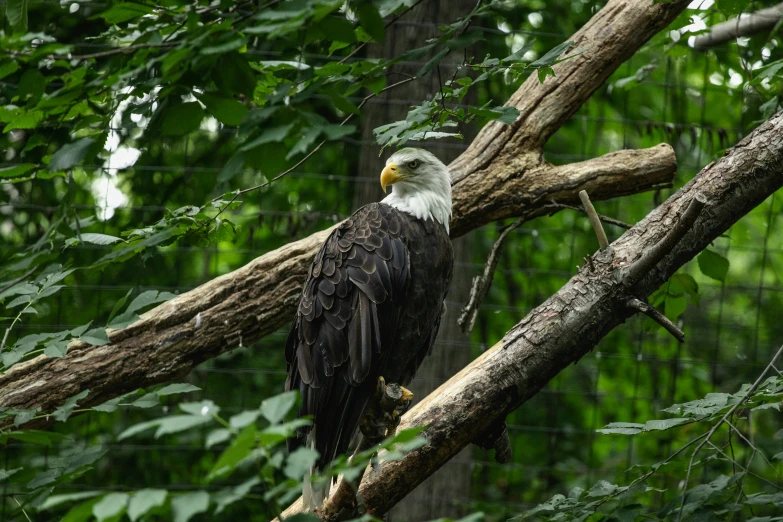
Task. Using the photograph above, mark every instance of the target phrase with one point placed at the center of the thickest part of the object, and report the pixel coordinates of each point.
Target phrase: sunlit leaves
(143, 501)
(110, 506)
(185, 507)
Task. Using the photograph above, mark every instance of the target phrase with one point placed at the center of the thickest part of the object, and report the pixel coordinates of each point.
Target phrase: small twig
(650, 311)
(5, 338)
(603, 242)
(555, 206)
(725, 418)
(481, 284)
(642, 267)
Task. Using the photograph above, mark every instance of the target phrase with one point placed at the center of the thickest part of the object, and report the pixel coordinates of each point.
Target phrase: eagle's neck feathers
(423, 202)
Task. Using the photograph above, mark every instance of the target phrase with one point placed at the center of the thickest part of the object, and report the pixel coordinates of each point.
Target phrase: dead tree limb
(569, 324)
(744, 25)
(501, 175)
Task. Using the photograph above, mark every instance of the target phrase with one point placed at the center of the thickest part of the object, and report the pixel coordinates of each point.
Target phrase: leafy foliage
(130, 130)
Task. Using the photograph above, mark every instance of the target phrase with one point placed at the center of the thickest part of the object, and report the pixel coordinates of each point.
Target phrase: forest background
(112, 161)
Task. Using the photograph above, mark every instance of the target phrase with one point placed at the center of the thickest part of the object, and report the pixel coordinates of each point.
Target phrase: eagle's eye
(413, 164)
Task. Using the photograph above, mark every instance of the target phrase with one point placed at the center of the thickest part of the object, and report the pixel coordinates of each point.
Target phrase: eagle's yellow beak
(389, 176)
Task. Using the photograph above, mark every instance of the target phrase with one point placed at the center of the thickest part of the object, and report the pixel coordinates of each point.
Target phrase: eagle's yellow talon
(407, 395)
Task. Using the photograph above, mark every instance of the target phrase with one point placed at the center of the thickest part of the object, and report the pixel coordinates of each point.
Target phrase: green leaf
(56, 500)
(16, 13)
(79, 513)
(109, 406)
(543, 72)
(63, 412)
(32, 85)
(114, 311)
(664, 424)
(188, 505)
(217, 437)
(232, 44)
(4, 474)
(552, 56)
(43, 478)
(240, 420)
(233, 75)
(124, 11)
(24, 120)
(178, 423)
(235, 453)
(713, 265)
(95, 337)
(138, 428)
(44, 438)
(234, 166)
(148, 400)
(8, 68)
(206, 408)
(275, 408)
(110, 506)
(144, 500)
(433, 62)
(507, 115)
(182, 119)
(16, 170)
(228, 496)
(337, 29)
(172, 389)
(370, 20)
(70, 154)
(299, 461)
(56, 348)
(226, 110)
(269, 135)
(675, 306)
(99, 239)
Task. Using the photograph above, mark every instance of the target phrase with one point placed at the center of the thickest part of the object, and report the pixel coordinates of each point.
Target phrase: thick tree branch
(744, 25)
(569, 324)
(502, 174)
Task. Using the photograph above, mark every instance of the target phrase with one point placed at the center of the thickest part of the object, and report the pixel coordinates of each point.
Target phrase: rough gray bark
(569, 324)
(744, 25)
(502, 174)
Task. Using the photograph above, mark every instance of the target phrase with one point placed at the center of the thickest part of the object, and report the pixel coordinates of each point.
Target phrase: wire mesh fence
(631, 375)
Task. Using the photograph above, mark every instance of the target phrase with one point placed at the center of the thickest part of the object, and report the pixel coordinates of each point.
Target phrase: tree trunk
(502, 174)
(441, 494)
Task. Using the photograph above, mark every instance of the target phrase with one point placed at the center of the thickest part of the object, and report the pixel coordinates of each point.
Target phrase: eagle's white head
(421, 185)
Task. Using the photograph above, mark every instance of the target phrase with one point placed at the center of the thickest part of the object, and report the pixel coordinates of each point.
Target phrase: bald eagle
(371, 304)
